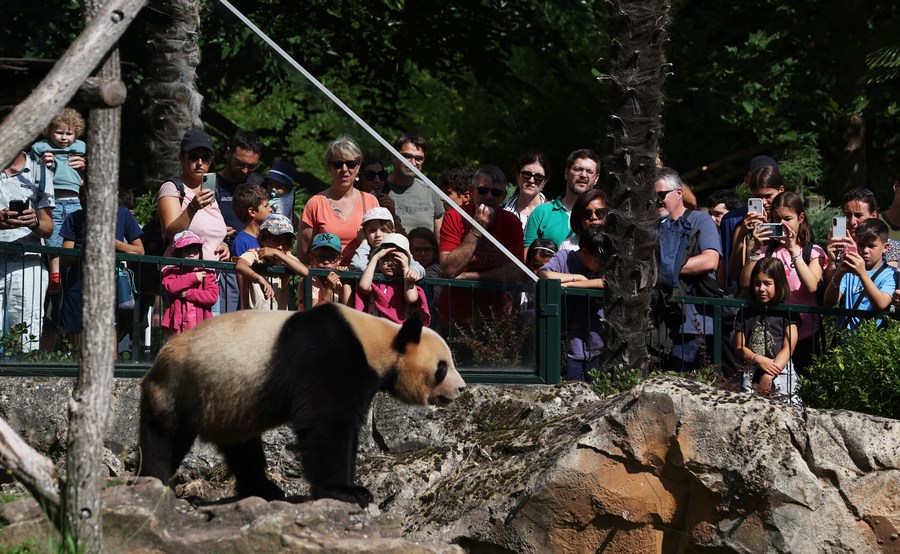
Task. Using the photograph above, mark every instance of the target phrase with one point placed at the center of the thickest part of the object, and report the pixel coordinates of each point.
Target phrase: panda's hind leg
(247, 462)
(328, 451)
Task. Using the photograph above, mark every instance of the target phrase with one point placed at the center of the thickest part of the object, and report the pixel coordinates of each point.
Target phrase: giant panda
(236, 375)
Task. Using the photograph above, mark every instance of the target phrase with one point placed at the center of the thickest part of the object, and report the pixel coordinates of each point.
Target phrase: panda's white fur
(237, 375)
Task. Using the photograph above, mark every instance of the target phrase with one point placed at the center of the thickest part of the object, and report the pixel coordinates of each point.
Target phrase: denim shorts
(64, 208)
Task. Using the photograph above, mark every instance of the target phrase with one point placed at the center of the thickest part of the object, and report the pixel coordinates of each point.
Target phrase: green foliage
(820, 222)
(621, 379)
(861, 374)
(12, 340)
(883, 59)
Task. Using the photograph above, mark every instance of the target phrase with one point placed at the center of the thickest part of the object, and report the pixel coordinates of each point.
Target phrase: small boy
(455, 184)
(251, 205)
(276, 241)
(376, 224)
(325, 253)
(863, 281)
(399, 296)
(63, 154)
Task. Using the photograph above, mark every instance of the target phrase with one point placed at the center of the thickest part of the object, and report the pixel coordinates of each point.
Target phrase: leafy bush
(621, 379)
(861, 374)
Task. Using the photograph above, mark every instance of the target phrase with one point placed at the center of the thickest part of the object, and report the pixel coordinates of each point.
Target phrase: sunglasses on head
(484, 191)
(370, 175)
(195, 155)
(413, 157)
(351, 164)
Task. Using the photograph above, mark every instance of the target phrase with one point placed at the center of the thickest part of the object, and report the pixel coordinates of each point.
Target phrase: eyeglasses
(337, 164)
(413, 157)
(579, 169)
(370, 175)
(496, 193)
(326, 257)
(205, 156)
(599, 213)
(661, 194)
(527, 175)
(423, 250)
(245, 165)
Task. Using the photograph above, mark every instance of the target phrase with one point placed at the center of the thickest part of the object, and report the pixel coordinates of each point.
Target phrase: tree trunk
(27, 120)
(88, 409)
(637, 71)
(171, 85)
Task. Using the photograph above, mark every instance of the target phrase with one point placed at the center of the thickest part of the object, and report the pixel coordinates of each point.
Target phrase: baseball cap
(377, 214)
(283, 173)
(195, 138)
(277, 224)
(395, 240)
(326, 239)
(186, 238)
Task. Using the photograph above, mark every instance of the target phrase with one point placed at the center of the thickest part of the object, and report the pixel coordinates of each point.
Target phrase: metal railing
(536, 344)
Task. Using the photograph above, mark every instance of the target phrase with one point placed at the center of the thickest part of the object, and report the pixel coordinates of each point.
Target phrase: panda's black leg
(328, 452)
(163, 445)
(247, 463)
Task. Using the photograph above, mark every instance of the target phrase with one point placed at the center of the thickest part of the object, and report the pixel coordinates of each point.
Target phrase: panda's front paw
(357, 494)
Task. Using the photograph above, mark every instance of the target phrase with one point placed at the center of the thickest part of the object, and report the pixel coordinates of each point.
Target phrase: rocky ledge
(671, 466)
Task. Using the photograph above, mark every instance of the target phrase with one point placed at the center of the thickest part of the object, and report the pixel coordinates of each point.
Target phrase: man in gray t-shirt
(414, 202)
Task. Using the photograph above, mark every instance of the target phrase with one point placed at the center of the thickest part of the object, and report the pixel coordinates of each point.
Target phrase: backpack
(155, 244)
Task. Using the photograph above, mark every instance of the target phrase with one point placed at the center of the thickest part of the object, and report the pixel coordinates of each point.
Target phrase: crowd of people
(392, 224)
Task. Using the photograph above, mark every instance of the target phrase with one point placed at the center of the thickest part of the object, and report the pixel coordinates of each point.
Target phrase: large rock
(671, 466)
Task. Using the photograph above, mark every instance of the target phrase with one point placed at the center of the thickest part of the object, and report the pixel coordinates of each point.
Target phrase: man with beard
(414, 202)
(551, 221)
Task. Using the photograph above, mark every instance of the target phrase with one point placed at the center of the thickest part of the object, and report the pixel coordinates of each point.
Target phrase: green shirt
(548, 221)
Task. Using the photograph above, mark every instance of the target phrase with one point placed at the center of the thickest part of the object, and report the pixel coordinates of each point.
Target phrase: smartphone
(755, 205)
(208, 181)
(838, 227)
(777, 229)
(18, 206)
(850, 248)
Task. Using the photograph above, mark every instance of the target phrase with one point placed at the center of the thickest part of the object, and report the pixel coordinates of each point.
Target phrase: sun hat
(195, 138)
(377, 214)
(395, 240)
(277, 224)
(326, 239)
(186, 238)
(283, 173)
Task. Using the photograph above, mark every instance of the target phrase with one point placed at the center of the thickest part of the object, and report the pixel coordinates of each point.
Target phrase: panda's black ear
(411, 332)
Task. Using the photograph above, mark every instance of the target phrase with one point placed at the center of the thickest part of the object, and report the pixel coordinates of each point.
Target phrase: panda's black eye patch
(441, 373)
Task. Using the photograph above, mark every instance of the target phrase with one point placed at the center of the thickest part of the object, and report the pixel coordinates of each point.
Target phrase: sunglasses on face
(661, 194)
(351, 164)
(422, 250)
(599, 213)
(326, 257)
(413, 157)
(527, 175)
(370, 175)
(244, 165)
(205, 156)
(496, 193)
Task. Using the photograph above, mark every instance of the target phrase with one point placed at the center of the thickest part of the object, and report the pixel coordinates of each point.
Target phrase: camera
(18, 206)
(777, 229)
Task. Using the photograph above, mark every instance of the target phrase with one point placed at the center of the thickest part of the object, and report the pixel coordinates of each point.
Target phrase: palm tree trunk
(637, 71)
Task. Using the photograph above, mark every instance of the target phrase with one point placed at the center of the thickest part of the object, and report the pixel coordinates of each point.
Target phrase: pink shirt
(387, 300)
(799, 294)
(320, 216)
(208, 223)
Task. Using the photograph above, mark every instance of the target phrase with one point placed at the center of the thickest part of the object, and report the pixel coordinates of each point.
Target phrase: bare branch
(27, 465)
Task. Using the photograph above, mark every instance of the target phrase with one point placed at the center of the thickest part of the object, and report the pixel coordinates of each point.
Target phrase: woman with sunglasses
(372, 177)
(339, 209)
(588, 210)
(195, 208)
(531, 173)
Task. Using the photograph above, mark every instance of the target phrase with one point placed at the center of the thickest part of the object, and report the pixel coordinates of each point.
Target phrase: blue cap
(283, 173)
(326, 239)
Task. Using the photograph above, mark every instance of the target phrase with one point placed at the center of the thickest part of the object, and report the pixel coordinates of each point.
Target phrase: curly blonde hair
(68, 117)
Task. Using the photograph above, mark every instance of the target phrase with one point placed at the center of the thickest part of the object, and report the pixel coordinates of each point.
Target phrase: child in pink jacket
(192, 291)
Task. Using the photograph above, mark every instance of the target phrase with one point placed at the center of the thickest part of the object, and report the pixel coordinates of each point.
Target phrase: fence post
(547, 329)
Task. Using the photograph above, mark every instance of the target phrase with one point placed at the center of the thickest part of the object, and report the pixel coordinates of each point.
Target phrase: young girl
(424, 249)
(764, 341)
(803, 261)
(398, 298)
(192, 291)
(377, 223)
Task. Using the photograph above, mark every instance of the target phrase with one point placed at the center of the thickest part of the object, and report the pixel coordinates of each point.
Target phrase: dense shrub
(861, 374)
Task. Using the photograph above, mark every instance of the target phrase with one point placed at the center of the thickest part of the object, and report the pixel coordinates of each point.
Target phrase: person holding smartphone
(26, 217)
